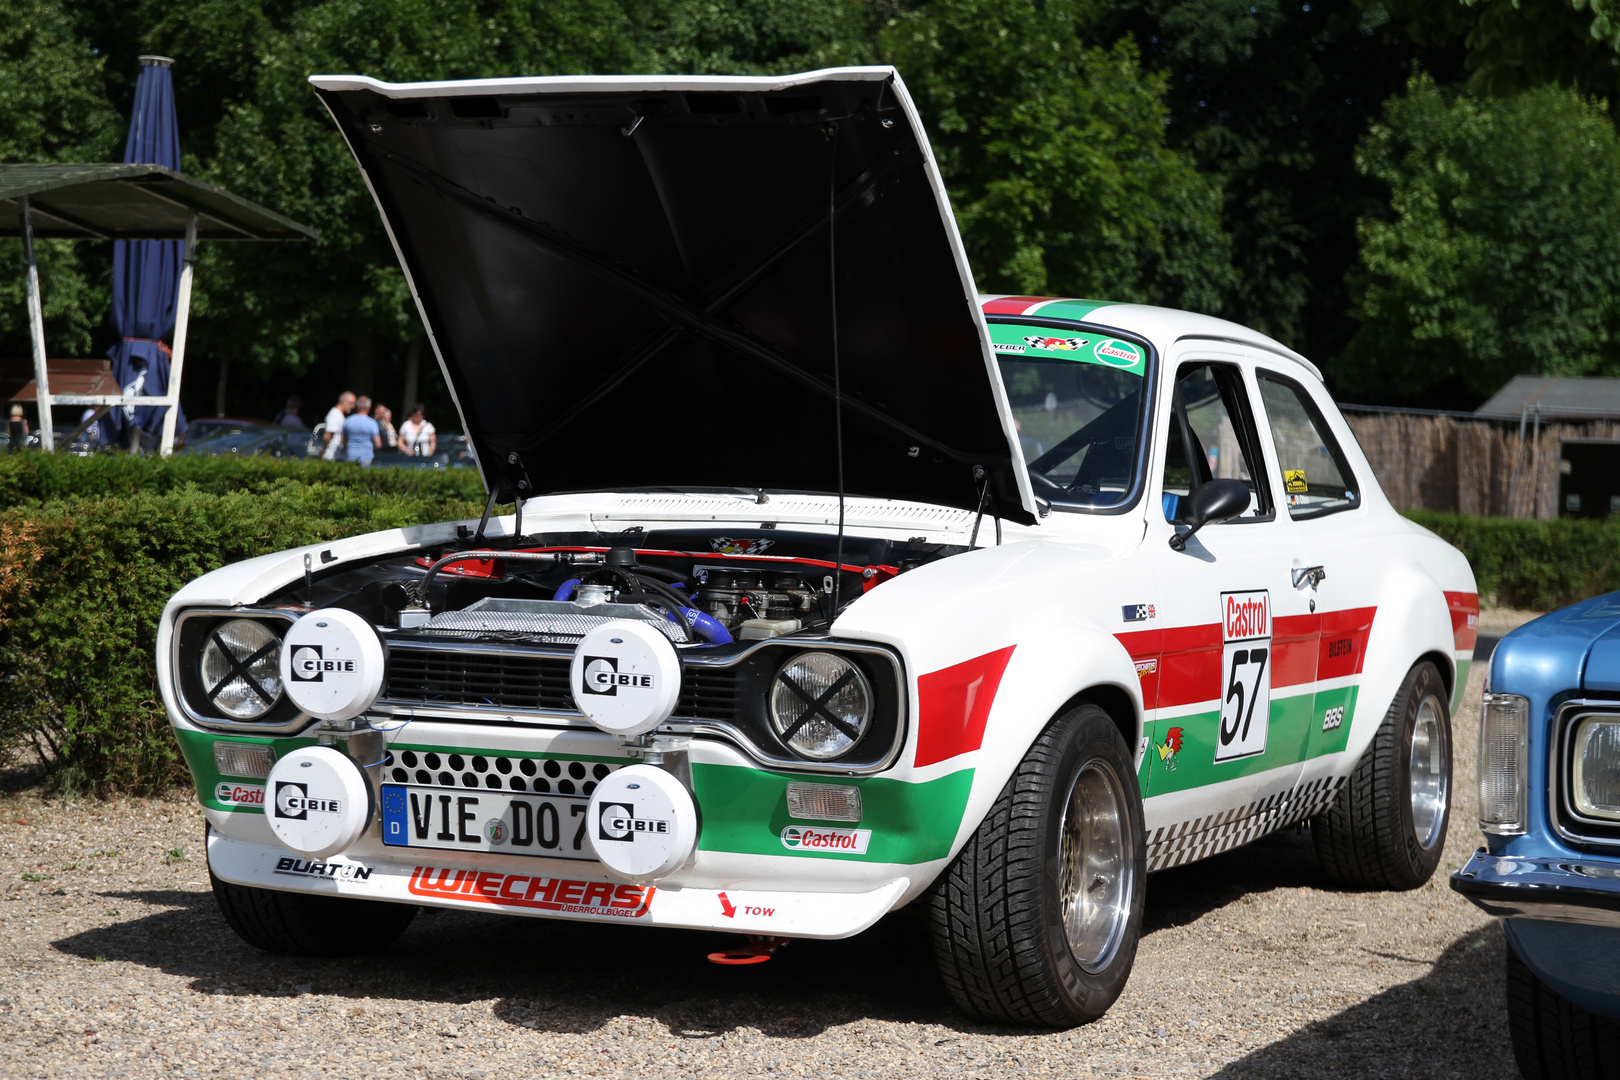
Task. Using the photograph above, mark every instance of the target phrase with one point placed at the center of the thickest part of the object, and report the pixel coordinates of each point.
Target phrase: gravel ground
(114, 962)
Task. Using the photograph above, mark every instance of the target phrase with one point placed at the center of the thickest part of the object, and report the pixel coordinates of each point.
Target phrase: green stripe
(197, 747)
(745, 810)
(1462, 684)
(1071, 309)
(1295, 735)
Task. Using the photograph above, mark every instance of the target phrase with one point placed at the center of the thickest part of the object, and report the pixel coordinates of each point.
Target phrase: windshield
(1079, 405)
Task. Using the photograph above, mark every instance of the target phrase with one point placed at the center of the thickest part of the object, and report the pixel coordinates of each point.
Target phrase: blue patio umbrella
(146, 273)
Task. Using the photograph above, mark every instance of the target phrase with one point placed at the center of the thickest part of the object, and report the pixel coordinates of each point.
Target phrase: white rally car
(832, 587)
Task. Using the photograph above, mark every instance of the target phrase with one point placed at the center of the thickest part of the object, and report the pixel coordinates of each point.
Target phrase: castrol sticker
(240, 796)
(835, 841)
(1245, 675)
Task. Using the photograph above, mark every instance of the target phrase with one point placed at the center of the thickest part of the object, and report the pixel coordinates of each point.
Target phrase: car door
(1321, 502)
(1239, 642)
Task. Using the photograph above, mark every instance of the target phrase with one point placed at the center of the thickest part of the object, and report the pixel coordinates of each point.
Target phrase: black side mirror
(1215, 500)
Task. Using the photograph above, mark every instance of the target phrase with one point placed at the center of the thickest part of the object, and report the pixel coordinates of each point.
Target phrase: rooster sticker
(1169, 748)
(1056, 344)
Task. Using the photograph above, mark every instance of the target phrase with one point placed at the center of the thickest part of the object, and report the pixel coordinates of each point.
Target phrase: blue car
(1549, 803)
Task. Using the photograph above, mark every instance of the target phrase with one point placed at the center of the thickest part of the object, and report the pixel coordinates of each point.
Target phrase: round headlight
(821, 705)
(241, 668)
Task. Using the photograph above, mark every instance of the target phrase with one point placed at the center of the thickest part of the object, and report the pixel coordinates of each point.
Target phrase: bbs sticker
(1333, 718)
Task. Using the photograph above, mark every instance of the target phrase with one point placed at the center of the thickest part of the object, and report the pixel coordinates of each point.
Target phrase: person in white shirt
(417, 437)
(334, 426)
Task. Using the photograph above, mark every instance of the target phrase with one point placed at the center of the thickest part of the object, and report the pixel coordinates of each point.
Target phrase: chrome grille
(530, 682)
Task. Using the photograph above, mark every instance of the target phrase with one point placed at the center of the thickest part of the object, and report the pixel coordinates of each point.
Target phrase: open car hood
(626, 280)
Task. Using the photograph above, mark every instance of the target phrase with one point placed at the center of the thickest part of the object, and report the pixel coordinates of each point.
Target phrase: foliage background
(1279, 162)
(92, 549)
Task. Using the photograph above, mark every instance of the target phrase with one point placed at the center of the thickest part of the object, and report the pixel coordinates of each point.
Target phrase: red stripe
(1013, 305)
(1190, 669)
(1344, 642)
(1145, 647)
(1293, 649)
(953, 704)
(1464, 618)
(1186, 660)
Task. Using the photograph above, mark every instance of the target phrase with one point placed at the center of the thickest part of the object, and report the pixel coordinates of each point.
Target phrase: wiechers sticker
(537, 891)
(837, 841)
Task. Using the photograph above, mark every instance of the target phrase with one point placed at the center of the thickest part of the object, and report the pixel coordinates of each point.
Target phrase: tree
(1269, 97)
(1516, 44)
(1501, 251)
(51, 110)
(1053, 149)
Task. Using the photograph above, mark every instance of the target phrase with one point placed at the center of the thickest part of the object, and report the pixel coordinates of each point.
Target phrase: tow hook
(757, 949)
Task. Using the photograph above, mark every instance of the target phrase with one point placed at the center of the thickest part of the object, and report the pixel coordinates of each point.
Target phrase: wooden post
(36, 327)
(182, 318)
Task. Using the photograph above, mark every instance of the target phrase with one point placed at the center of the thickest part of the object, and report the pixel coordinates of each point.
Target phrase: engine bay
(702, 590)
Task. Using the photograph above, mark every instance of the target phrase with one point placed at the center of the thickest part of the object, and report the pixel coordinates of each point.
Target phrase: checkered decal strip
(495, 772)
(1189, 841)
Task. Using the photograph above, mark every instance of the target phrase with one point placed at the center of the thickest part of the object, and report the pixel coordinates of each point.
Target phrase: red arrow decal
(727, 908)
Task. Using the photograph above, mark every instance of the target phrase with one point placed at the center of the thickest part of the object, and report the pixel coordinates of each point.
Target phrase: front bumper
(550, 888)
(1552, 890)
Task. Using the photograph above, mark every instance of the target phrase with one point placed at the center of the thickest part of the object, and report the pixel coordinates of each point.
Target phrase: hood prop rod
(511, 477)
(831, 132)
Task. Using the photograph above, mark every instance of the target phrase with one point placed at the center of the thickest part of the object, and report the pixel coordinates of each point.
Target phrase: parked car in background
(453, 453)
(725, 670)
(259, 440)
(197, 430)
(1549, 799)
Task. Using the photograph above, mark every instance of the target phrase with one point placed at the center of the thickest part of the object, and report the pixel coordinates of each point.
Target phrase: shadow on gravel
(1284, 860)
(579, 977)
(1451, 1021)
(550, 976)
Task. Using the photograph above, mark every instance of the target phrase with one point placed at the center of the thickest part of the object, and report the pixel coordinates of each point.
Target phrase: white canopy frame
(124, 202)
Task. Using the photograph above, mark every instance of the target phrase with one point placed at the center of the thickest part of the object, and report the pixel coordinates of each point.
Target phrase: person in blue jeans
(361, 435)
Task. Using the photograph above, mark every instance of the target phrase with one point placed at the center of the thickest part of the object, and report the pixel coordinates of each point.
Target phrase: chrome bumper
(1555, 890)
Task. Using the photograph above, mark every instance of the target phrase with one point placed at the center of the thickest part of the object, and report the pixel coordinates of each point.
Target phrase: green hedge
(37, 478)
(1536, 565)
(83, 581)
(92, 548)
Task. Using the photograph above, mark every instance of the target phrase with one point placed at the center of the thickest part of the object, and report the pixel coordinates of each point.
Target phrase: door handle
(1308, 575)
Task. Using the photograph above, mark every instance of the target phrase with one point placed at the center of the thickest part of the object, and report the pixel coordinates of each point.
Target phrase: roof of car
(1160, 325)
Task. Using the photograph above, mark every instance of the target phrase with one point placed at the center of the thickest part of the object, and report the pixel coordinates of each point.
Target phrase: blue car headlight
(1595, 768)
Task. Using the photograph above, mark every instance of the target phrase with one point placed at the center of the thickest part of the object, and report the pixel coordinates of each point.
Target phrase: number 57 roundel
(1245, 675)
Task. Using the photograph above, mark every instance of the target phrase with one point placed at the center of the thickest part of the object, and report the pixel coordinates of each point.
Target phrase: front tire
(302, 924)
(1387, 826)
(1553, 1038)
(1036, 920)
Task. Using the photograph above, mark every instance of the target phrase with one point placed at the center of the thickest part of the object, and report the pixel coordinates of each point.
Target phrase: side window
(1316, 478)
(1211, 437)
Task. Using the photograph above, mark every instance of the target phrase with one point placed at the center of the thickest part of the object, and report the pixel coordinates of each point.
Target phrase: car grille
(530, 682)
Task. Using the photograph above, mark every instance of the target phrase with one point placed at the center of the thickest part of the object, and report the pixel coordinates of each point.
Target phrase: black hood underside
(630, 283)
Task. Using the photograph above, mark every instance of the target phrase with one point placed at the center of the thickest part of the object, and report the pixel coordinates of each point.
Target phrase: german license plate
(455, 819)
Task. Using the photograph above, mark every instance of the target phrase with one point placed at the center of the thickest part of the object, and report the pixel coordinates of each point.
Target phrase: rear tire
(1036, 921)
(301, 924)
(1387, 826)
(1553, 1038)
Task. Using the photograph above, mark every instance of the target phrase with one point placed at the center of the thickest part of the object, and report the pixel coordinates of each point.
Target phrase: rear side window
(1316, 479)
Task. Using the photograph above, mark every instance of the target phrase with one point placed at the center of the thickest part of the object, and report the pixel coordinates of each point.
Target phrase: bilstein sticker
(813, 838)
(533, 891)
